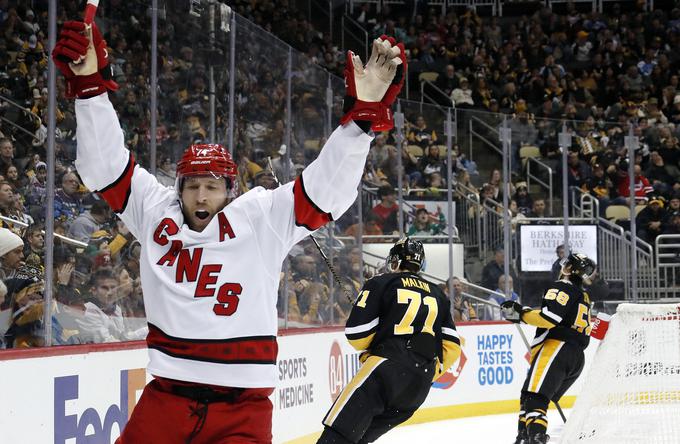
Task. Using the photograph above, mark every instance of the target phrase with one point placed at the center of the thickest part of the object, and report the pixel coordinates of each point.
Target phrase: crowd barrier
(86, 393)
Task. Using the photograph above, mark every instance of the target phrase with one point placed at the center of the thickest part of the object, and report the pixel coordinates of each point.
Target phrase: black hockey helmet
(581, 267)
(407, 253)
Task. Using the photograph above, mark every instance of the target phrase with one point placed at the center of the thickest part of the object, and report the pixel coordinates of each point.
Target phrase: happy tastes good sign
(539, 242)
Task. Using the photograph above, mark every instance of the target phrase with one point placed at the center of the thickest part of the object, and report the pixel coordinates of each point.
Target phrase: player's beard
(198, 217)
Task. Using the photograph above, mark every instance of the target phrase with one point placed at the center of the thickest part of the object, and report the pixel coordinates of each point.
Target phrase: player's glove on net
(513, 311)
(80, 54)
(372, 89)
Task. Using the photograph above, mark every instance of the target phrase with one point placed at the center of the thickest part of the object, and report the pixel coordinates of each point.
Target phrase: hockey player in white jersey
(210, 261)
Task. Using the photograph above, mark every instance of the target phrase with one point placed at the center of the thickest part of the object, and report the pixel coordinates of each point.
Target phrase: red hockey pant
(164, 417)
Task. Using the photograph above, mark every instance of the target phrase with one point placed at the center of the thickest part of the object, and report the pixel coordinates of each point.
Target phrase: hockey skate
(522, 438)
(538, 438)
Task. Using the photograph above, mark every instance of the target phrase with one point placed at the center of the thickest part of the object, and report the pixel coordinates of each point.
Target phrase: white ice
(491, 429)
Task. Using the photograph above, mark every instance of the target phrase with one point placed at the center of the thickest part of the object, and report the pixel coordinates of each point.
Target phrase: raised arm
(102, 160)
(328, 186)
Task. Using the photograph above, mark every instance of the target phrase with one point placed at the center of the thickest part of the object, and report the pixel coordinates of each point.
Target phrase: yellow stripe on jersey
(451, 353)
(364, 372)
(534, 318)
(362, 343)
(543, 361)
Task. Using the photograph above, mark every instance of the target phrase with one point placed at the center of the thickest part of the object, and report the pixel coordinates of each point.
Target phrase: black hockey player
(404, 324)
(563, 332)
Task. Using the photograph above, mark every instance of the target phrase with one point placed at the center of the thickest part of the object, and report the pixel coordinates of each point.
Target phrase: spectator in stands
(6, 155)
(462, 96)
(386, 208)
(538, 211)
(421, 134)
(524, 201)
(310, 294)
(34, 251)
(434, 187)
(599, 186)
(67, 199)
(461, 309)
(265, 179)
(342, 305)
(642, 186)
(166, 172)
(650, 220)
(12, 176)
(551, 68)
(556, 268)
(672, 224)
(25, 293)
(6, 200)
(11, 253)
(426, 224)
(492, 312)
(37, 191)
(582, 49)
(496, 183)
(103, 319)
(66, 290)
(509, 97)
(433, 161)
(482, 95)
(523, 133)
(493, 269)
(673, 203)
(448, 81)
(90, 221)
(380, 149)
(370, 228)
(661, 175)
(578, 171)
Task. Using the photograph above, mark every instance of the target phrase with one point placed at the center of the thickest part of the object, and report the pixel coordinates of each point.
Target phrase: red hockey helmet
(207, 160)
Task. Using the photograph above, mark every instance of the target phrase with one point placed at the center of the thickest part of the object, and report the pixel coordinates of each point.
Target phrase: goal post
(631, 393)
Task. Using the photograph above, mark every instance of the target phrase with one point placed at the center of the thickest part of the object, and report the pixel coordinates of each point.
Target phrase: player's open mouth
(202, 214)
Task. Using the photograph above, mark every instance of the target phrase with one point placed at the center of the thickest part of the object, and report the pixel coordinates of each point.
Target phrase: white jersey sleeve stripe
(362, 328)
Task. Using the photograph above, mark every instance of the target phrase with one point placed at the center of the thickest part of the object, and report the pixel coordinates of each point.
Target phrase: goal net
(632, 391)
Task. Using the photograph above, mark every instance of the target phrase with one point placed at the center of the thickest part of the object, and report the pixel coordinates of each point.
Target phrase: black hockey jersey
(568, 306)
(401, 304)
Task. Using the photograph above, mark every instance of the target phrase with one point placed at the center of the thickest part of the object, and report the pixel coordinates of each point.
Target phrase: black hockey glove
(513, 311)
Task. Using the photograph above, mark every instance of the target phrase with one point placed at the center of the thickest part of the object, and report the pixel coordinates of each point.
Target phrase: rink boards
(65, 395)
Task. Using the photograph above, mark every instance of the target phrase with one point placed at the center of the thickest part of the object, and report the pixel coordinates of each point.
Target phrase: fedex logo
(88, 426)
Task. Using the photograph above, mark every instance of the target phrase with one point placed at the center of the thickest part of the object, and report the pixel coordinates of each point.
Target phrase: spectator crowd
(598, 74)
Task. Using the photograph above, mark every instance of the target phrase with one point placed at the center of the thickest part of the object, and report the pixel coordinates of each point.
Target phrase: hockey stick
(318, 247)
(330, 267)
(528, 346)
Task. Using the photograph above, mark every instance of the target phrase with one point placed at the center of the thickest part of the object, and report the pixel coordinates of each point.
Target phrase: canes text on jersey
(188, 267)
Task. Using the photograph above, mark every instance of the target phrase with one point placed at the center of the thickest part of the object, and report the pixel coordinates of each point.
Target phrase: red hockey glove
(372, 89)
(81, 55)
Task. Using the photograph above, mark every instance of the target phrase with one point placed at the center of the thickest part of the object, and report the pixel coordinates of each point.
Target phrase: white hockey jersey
(210, 297)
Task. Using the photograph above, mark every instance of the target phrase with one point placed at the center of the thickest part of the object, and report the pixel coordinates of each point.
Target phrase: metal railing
(646, 274)
(584, 204)
(492, 229)
(468, 217)
(432, 100)
(345, 20)
(667, 254)
(68, 240)
(482, 137)
(24, 110)
(547, 185)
